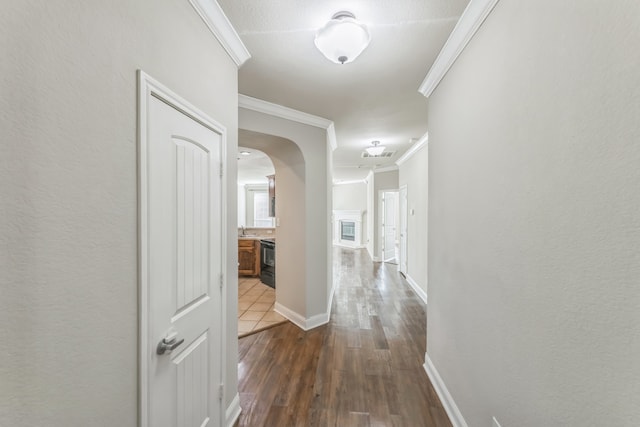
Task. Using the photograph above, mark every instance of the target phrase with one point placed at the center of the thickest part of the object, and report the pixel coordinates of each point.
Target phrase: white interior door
(183, 251)
(390, 200)
(403, 229)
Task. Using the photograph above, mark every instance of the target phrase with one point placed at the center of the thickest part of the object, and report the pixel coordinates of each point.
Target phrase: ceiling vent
(384, 155)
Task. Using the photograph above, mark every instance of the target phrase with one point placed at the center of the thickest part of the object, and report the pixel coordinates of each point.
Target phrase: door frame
(382, 219)
(403, 219)
(147, 88)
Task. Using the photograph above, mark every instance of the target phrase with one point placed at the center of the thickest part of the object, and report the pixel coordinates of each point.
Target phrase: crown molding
(424, 140)
(386, 169)
(218, 23)
(469, 22)
(272, 109)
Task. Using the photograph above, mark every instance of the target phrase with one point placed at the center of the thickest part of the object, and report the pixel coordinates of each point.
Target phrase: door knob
(168, 344)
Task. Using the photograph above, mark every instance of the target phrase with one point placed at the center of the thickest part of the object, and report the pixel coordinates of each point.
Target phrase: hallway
(364, 368)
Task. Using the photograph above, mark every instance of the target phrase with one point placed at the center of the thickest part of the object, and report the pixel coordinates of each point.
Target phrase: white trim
(416, 288)
(386, 169)
(148, 87)
(403, 221)
(469, 22)
(331, 136)
(291, 315)
(422, 142)
(276, 110)
(376, 259)
(233, 411)
(330, 303)
(218, 23)
(317, 320)
(355, 181)
(455, 416)
(300, 321)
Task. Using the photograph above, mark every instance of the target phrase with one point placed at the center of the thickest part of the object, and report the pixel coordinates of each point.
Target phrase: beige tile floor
(255, 307)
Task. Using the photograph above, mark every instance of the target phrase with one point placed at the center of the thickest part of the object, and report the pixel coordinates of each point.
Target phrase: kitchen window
(257, 207)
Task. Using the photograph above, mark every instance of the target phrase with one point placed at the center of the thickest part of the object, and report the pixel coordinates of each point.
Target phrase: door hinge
(221, 391)
(221, 280)
(221, 169)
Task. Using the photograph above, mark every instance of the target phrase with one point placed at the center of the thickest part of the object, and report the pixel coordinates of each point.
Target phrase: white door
(184, 267)
(390, 200)
(403, 229)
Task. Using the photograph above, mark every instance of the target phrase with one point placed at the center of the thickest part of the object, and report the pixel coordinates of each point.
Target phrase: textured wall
(68, 219)
(534, 217)
(414, 173)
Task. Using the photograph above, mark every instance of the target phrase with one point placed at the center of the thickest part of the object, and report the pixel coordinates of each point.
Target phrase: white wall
(381, 181)
(350, 196)
(414, 173)
(534, 217)
(242, 206)
(69, 271)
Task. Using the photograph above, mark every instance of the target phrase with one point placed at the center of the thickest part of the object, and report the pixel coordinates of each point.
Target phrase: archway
(289, 168)
(301, 157)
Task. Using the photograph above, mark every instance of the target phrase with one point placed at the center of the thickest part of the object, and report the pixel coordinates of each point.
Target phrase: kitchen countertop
(256, 237)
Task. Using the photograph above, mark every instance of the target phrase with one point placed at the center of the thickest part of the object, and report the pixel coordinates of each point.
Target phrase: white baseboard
(330, 303)
(455, 416)
(376, 259)
(300, 321)
(291, 315)
(317, 320)
(233, 411)
(342, 245)
(416, 288)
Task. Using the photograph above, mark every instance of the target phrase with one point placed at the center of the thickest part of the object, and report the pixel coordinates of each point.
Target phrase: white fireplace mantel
(340, 216)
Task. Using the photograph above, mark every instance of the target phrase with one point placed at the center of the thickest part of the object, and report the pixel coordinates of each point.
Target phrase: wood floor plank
(364, 368)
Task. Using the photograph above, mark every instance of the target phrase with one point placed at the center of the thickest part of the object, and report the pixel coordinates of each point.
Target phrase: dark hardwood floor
(364, 368)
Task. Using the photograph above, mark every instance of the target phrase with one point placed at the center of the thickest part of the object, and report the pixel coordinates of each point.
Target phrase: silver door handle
(168, 345)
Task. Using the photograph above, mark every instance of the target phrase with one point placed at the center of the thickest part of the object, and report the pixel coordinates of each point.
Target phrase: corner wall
(414, 173)
(69, 305)
(534, 217)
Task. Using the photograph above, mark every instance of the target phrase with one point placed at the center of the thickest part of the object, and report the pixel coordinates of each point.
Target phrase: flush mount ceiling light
(245, 153)
(343, 38)
(376, 149)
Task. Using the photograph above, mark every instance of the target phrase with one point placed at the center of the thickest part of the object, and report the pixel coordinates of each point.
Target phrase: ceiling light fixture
(245, 153)
(343, 38)
(376, 149)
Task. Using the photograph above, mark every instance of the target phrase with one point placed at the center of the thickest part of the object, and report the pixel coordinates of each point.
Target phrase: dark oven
(268, 262)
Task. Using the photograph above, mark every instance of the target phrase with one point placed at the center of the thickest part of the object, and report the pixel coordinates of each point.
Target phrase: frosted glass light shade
(376, 150)
(342, 39)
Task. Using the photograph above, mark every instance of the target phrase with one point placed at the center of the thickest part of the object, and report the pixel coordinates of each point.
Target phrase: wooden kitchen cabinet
(248, 257)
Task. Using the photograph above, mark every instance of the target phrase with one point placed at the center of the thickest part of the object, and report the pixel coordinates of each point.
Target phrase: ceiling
(373, 98)
(254, 168)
